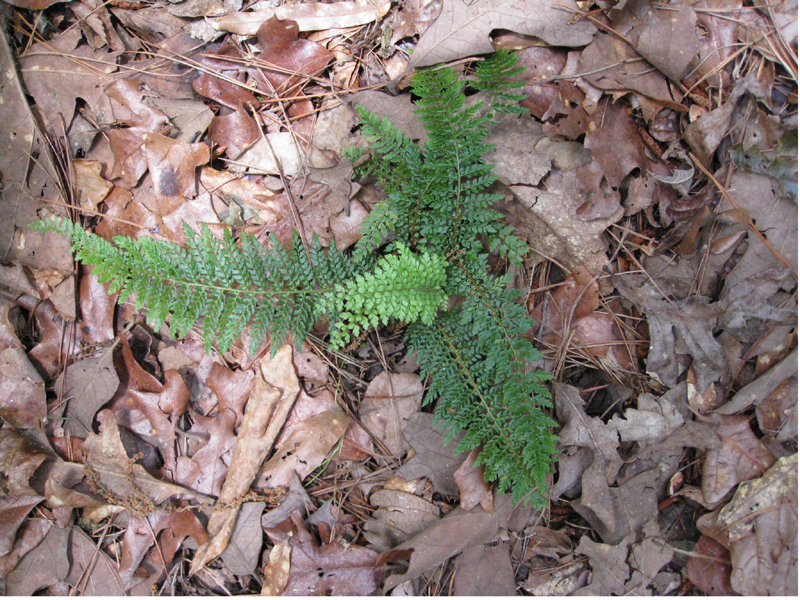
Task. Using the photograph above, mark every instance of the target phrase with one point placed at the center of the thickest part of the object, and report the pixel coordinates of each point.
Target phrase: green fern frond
(403, 286)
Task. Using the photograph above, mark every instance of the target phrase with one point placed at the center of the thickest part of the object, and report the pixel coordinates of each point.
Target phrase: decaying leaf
(711, 575)
(389, 402)
(45, 565)
(451, 535)
(398, 516)
(22, 396)
(432, 459)
(271, 399)
(741, 457)
(463, 29)
(485, 571)
(472, 486)
(244, 547)
(87, 385)
(333, 568)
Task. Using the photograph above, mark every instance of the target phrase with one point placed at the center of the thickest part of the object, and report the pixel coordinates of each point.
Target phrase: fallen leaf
(741, 457)
(19, 459)
(337, 568)
(92, 188)
(43, 566)
(30, 535)
(265, 413)
(121, 476)
(463, 29)
(91, 570)
(276, 572)
(710, 575)
(484, 571)
(452, 535)
(389, 402)
(13, 511)
(756, 391)
(563, 581)
(472, 486)
(87, 385)
(304, 449)
(432, 458)
(610, 568)
(23, 401)
(777, 414)
(234, 131)
(309, 16)
(172, 166)
(244, 547)
(762, 531)
(398, 515)
(691, 321)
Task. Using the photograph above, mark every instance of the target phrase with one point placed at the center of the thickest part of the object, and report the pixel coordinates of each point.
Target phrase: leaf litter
(654, 180)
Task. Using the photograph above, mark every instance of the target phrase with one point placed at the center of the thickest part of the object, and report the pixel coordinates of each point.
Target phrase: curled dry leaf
(472, 486)
(273, 395)
(235, 131)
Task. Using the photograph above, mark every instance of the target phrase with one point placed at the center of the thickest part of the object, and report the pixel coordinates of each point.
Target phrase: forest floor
(654, 179)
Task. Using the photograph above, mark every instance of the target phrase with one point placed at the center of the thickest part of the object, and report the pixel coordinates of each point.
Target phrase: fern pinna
(422, 259)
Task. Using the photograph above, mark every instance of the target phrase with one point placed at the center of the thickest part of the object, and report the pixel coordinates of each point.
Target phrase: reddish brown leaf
(91, 570)
(288, 59)
(22, 397)
(336, 568)
(471, 484)
(172, 166)
(13, 511)
(232, 389)
(97, 309)
(741, 457)
(711, 575)
(44, 565)
(234, 131)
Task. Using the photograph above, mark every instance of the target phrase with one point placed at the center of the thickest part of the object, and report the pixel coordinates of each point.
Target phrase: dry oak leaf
(336, 568)
(398, 516)
(23, 401)
(455, 533)
(710, 575)
(19, 459)
(43, 566)
(271, 399)
(13, 511)
(472, 486)
(121, 476)
(87, 385)
(463, 28)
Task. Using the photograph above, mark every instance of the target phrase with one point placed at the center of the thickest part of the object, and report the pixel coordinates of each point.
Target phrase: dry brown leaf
(563, 581)
(463, 29)
(484, 571)
(244, 548)
(13, 511)
(43, 566)
(276, 572)
(691, 321)
(189, 117)
(91, 570)
(741, 457)
(22, 397)
(304, 449)
(310, 16)
(397, 516)
(452, 535)
(30, 535)
(472, 486)
(334, 568)
(710, 575)
(86, 386)
(756, 391)
(19, 459)
(777, 414)
(390, 399)
(216, 83)
(762, 531)
(92, 188)
(234, 131)
(118, 474)
(432, 458)
(271, 399)
(172, 166)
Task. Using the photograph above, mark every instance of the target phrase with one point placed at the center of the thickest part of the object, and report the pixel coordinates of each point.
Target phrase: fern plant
(422, 260)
